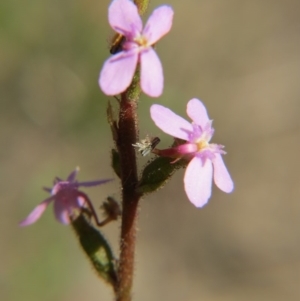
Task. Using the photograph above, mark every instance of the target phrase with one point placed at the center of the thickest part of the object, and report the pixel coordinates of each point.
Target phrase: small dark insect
(117, 43)
(154, 142)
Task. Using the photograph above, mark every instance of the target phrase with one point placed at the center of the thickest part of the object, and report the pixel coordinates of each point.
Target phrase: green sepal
(115, 162)
(156, 174)
(96, 248)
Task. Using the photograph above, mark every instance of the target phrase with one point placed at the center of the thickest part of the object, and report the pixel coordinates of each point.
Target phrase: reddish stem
(127, 135)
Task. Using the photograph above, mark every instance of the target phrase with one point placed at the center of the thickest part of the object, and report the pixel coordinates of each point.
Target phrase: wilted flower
(117, 72)
(205, 158)
(66, 198)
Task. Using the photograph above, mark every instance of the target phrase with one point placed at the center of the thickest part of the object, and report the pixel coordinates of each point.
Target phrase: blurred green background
(242, 58)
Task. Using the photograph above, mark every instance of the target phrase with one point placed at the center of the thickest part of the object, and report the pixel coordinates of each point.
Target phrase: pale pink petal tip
(169, 122)
(159, 23)
(222, 177)
(197, 112)
(117, 73)
(198, 181)
(36, 213)
(152, 78)
(122, 15)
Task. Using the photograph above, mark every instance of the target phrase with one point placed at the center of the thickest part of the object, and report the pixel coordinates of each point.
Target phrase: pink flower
(205, 158)
(117, 72)
(66, 198)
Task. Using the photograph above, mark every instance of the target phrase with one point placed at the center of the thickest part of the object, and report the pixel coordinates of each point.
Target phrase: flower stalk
(128, 135)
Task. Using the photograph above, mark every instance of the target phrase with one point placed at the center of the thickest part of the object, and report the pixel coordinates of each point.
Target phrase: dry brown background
(242, 58)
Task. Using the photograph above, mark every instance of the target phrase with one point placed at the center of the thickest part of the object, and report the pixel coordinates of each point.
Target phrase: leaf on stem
(156, 174)
(96, 248)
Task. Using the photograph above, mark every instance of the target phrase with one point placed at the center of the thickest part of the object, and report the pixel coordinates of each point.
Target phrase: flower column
(127, 135)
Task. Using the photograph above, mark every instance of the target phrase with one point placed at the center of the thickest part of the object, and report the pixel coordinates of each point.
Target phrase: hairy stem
(127, 135)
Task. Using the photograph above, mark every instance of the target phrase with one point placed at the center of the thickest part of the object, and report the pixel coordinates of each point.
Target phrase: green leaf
(96, 248)
(156, 174)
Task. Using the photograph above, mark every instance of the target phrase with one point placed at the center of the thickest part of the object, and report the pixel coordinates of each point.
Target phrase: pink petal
(197, 112)
(117, 72)
(152, 78)
(93, 183)
(221, 175)
(123, 17)
(36, 212)
(170, 123)
(158, 24)
(80, 201)
(61, 211)
(197, 181)
(72, 175)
